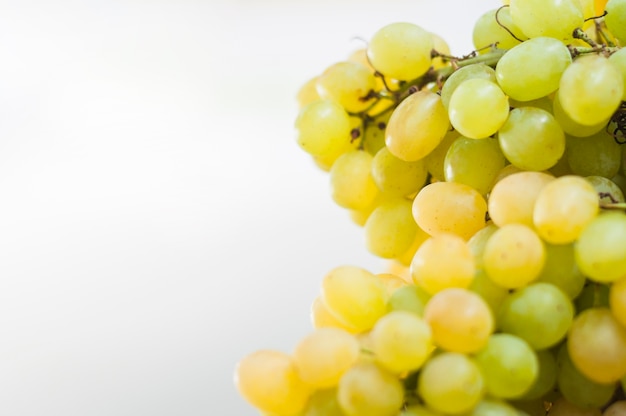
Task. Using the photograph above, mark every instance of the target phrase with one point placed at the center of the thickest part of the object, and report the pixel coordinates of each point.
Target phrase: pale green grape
(617, 301)
(401, 51)
(616, 409)
(487, 31)
(323, 129)
(474, 162)
(562, 407)
(576, 387)
(390, 229)
(544, 103)
(491, 293)
(448, 207)
(347, 83)
(418, 410)
(324, 355)
(417, 126)
(401, 341)
(461, 75)
(601, 248)
(597, 155)
(410, 298)
(540, 314)
(514, 256)
(451, 383)
(269, 381)
(546, 380)
(509, 366)
(618, 59)
(593, 295)
(443, 261)
(563, 209)
(351, 182)
(532, 139)
(435, 160)
(608, 191)
(571, 127)
(561, 270)
(597, 345)
(616, 19)
(478, 108)
(323, 403)
(374, 135)
(368, 390)
(478, 241)
(460, 320)
(591, 89)
(396, 176)
(553, 18)
(355, 296)
(493, 407)
(533, 69)
(512, 199)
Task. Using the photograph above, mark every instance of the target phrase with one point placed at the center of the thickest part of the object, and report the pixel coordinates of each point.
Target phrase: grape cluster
(494, 183)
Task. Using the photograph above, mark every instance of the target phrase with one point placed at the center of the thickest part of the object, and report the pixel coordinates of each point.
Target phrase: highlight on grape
(493, 184)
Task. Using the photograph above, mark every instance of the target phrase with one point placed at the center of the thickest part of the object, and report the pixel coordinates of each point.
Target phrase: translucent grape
(492, 407)
(401, 50)
(616, 19)
(390, 229)
(396, 176)
(532, 139)
(487, 31)
(478, 108)
(546, 380)
(448, 207)
(349, 84)
(451, 383)
(563, 209)
(570, 126)
(591, 89)
(618, 59)
(601, 248)
(409, 298)
(553, 18)
(416, 126)
(401, 341)
(540, 314)
(435, 160)
(617, 301)
(323, 403)
(533, 68)
(480, 71)
(608, 191)
(561, 270)
(597, 155)
(490, 292)
(509, 366)
(323, 129)
(461, 321)
(514, 256)
(418, 410)
(478, 241)
(321, 317)
(351, 182)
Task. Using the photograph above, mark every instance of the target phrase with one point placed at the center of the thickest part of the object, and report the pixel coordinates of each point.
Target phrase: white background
(157, 220)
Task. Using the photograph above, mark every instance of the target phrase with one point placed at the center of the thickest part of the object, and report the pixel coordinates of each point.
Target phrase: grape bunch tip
(493, 186)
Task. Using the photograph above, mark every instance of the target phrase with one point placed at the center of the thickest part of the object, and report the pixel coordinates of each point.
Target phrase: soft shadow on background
(157, 220)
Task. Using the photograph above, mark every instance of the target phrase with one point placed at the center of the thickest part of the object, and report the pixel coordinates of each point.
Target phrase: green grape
(618, 59)
(324, 355)
(562, 407)
(409, 298)
(322, 317)
(374, 134)
(473, 71)
(491, 293)
(532, 139)
(601, 248)
(487, 31)
(514, 256)
(597, 155)
(509, 366)
(552, 18)
(615, 19)
(563, 209)
(401, 341)
(619, 180)
(401, 51)
(478, 108)
(323, 129)
(492, 407)
(533, 69)
(269, 381)
(451, 383)
(576, 387)
(435, 160)
(546, 380)
(616, 409)
(571, 127)
(351, 182)
(561, 270)
(368, 390)
(449, 207)
(512, 199)
(355, 296)
(608, 191)
(474, 162)
(348, 84)
(443, 261)
(478, 241)
(418, 410)
(390, 229)
(540, 314)
(617, 301)
(593, 295)
(417, 126)
(591, 89)
(544, 103)
(396, 176)
(460, 320)
(323, 403)
(597, 345)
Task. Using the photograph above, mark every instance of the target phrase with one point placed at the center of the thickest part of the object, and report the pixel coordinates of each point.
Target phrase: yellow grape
(390, 230)
(351, 182)
(323, 129)
(617, 301)
(321, 317)
(349, 84)
(308, 93)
